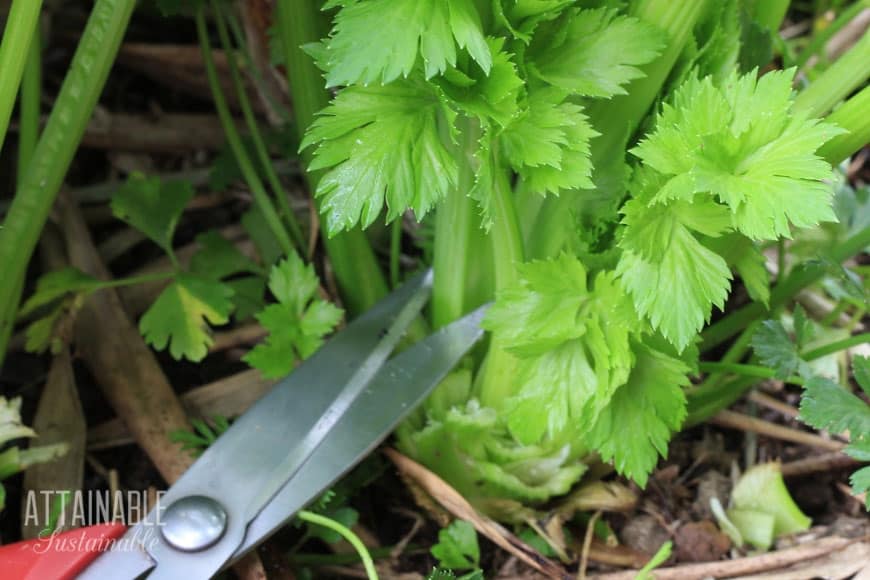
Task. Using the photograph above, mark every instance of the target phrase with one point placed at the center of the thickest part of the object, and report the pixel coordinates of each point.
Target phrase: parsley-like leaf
(152, 207)
(457, 546)
(742, 144)
(776, 350)
(664, 264)
(296, 324)
(549, 143)
(592, 52)
(490, 96)
(635, 427)
(432, 28)
(180, 316)
(218, 258)
(55, 285)
(827, 405)
(382, 144)
(572, 342)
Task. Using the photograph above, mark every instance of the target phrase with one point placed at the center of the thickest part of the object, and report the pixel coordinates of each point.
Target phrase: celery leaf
(356, 53)
(592, 52)
(548, 145)
(635, 427)
(664, 264)
(380, 145)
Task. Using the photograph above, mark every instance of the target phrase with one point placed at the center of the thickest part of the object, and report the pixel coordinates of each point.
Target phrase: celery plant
(603, 173)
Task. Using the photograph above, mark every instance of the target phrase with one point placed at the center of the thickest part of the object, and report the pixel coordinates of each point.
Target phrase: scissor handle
(59, 556)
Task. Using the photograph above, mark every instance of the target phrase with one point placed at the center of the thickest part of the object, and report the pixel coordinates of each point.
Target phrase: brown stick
(59, 419)
(742, 566)
(742, 422)
(164, 133)
(123, 365)
(817, 464)
(774, 404)
(228, 397)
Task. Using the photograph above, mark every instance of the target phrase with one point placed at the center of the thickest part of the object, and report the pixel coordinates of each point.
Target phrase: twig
(818, 463)
(59, 419)
(120, 361)
(227, 397)
(743, 566)
(587, 544)
(241, 335)
(741, 422)
(773, 404)
(177, 133)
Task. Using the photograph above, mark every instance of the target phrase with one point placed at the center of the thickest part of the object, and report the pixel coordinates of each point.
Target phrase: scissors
(279, 456)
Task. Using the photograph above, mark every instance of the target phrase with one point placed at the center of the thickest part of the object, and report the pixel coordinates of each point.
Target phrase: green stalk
(395, 251)
(29, 105)
(78, 95)
(347, 534)
(769, 13)
(848, 72)
(497, 379)
(799, 279)
(706, 401)
(14, 50)
(619, 117)
(249, 172)
(755, 371)
(254, 130)
(833, 347)
(852, 116)
(821, 38)
(455, 222)
(356, 270)
(256, 74)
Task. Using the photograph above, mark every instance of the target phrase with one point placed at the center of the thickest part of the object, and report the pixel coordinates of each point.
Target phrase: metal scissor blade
(400, 385)
(242, 462)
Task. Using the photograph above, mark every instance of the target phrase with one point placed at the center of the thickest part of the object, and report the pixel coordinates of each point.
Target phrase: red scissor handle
(57, 557)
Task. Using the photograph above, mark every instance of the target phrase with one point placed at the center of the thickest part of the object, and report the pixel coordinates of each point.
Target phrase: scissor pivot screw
(193, 523)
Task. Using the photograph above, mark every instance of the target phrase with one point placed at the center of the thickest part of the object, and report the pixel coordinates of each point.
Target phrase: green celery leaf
(432, 28)
(381, 145)
(572, 343)
(457, 546)
(592, 52)
(635, 427)
(742, 144)
(152, 207)
(296, 324)
(181, 315)
(486, 96)
(548, 145)
(218, 258)
(522, 17)
(744, 256)
(57, 284)
(665, 265)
